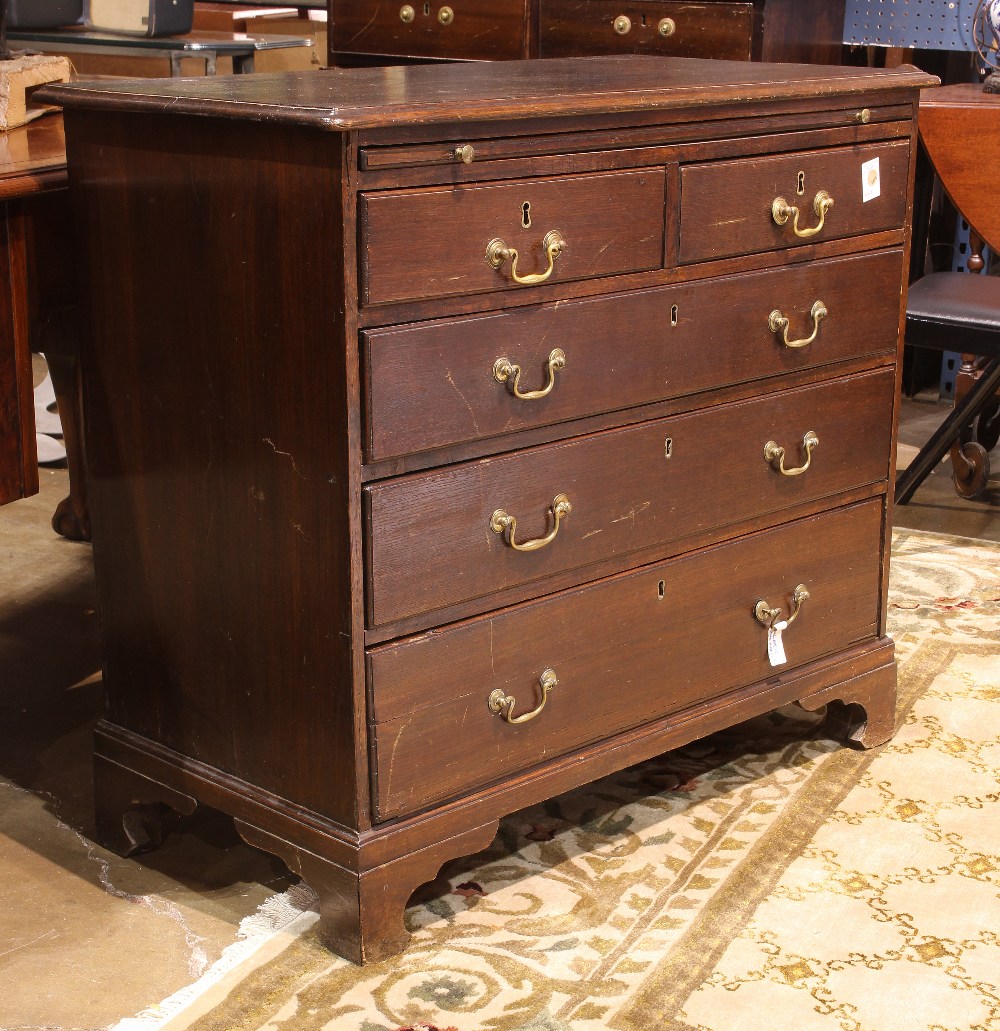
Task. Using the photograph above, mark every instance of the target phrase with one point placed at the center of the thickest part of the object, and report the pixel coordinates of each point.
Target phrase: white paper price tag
(871, 180)
(775, 647)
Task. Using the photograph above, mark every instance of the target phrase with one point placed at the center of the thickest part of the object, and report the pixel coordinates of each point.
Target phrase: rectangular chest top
(368, 98)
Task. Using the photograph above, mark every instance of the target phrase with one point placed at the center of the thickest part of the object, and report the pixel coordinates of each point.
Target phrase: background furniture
(32, 178)
(209, 46)
(599, 405)
(960, 311)
(372, 31)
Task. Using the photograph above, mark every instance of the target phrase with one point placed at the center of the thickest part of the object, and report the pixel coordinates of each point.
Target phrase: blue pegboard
(924, 24)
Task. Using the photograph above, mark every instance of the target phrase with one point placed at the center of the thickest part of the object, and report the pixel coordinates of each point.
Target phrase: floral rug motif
(763, 877)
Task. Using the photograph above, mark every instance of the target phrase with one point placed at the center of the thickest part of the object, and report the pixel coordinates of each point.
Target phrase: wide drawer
(438, 538)
(734, 207)
(458, 29)
(616, 351)
(568, 28)
(435, 242)
(623, 651)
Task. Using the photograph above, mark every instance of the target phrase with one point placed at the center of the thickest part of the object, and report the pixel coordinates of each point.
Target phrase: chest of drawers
(461, 434)
(372, 31)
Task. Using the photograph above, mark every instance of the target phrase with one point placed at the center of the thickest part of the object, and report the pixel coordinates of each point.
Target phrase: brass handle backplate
(446, 16)
(497, 252)
(407, 14)
(782, 211)
(778, 323)
(503, 704)
(666, 27)
(505, 371)
(775, 454)
(623, 24)
(504, 523)
(766, 615)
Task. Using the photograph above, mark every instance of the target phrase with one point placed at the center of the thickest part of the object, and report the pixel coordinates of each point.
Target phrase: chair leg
(975, 401)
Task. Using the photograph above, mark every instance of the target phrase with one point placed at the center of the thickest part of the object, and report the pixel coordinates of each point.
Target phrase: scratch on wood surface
(287, 454)
(632, 513)
(465, 401)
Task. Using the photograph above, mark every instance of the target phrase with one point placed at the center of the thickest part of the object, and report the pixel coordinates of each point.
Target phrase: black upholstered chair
(955, 311)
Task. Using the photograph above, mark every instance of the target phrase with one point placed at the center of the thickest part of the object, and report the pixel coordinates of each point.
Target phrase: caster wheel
(973, 483)
(987, 430)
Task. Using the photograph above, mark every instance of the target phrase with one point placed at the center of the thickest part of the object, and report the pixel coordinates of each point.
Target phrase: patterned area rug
(761, 878)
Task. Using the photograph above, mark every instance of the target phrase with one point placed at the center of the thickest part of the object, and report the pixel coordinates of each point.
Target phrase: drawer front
(613, 352)
(624, 651)
(432, 541)
(461, 29)
(434, 242)
(568, 28)
(727, 206)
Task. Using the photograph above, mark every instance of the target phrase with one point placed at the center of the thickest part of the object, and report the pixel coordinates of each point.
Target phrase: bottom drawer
(623, 651)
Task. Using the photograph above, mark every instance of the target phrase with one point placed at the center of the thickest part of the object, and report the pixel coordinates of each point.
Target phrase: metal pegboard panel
(924, 24)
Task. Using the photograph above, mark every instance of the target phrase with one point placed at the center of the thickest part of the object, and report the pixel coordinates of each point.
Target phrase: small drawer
(569, 28)
(455, 29)
(621, 652)
(746, 206)
(480, 237)
(439, 538)
(579, 358)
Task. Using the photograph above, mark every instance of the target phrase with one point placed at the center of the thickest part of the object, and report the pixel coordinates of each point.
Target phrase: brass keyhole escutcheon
(446, 16)
(526, 214)
(800, 187)
(407, 14)
(666, 27)
(623, 24)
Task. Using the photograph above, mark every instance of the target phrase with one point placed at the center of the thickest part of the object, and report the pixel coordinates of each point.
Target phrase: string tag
(775, 648)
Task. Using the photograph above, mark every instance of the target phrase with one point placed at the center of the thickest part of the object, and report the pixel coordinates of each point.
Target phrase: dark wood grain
(359, 98)
(425, 243)
(430, 544)
(220, 522)
(569, 28)
(621, 350)
(726, 206)
(32, 172)
(18, 461)
(232, 458)
(477, 32)
(623, 652)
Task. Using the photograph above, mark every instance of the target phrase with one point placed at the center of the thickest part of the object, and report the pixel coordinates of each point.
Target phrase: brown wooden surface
(32, 161)
(623, 655)
(430, 544)
(960, 127)
(726, 206)
(570, 28)
(342, 99)
(418, 244)
(369, 31)
(493, 31)
(622, 350)
(221, 523)
(230, 529)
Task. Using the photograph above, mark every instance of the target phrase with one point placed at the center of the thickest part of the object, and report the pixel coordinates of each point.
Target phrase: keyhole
(673, 315)
(427, 8)
(801, 188)
(526, 214)
(668, 448)
(662, 589)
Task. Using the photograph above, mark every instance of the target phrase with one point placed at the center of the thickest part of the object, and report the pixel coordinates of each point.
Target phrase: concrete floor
(86, 938)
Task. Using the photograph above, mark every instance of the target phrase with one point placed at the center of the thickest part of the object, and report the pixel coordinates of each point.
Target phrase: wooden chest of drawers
(447, 455)
(372, 31)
